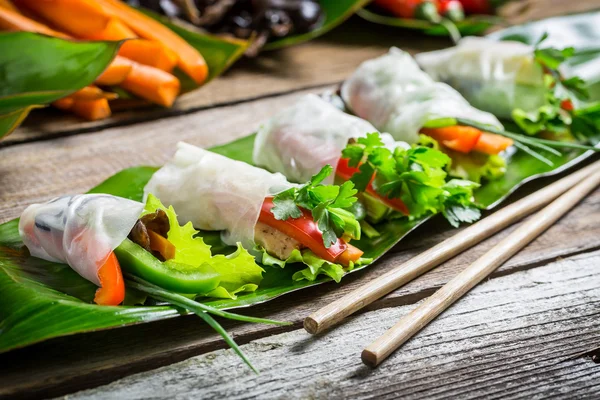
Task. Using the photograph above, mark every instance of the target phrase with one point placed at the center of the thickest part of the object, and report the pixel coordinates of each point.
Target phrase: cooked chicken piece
(275, 242)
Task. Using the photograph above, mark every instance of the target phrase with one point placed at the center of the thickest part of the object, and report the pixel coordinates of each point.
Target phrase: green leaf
(38, 69)
(285, 205)
(238, 271)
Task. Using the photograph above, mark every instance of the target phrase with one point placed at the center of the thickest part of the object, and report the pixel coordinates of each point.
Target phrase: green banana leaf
(42, 300)
(471, 25)
(336, 12)
(581, 31)
(37, 70)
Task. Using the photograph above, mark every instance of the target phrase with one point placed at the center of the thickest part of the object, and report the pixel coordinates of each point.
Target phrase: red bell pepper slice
(112, 285)
(345, 171)
(304, 230)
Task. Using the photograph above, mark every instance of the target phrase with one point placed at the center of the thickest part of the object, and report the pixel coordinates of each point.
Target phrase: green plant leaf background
(336, 12)
(36, 70)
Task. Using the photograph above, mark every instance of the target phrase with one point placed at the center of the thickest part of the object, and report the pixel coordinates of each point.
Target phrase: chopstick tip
(369, 358)
(311, 326)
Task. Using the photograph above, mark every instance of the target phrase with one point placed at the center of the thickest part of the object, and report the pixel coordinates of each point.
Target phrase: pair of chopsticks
(571, 190)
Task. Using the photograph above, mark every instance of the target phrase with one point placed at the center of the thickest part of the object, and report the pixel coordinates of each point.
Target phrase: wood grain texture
(116, 353)
(517, 336)
(325, 61)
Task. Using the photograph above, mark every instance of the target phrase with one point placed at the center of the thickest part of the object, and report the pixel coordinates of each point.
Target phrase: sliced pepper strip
(112, 285)
(345, 171)
(304, 230)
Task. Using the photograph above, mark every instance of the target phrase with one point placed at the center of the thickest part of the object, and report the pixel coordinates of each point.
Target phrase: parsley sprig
(565, 109)
(416, 175)
(327, 203)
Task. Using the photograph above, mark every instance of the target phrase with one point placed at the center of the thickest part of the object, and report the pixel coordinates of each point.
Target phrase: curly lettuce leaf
(315, 265)
(476, 167)
(238, 271)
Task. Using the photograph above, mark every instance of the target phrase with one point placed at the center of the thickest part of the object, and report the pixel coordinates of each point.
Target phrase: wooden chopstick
(414, 321)
(377, 288)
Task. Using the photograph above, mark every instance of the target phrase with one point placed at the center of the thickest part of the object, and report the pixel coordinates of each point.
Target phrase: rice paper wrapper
(397, 97)
(80, 230)
(305, 137)
(214, 192)
(494, 76)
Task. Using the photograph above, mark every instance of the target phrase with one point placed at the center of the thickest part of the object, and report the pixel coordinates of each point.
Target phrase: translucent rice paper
(493, 76)
(215, 192)
(397, 97)
(79, 230)
(305, 137)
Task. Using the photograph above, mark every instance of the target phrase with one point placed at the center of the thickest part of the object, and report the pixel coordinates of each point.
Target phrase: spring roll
(305, 137)
(81, 231)
(216, 193)
(397, 97)
(494, 76)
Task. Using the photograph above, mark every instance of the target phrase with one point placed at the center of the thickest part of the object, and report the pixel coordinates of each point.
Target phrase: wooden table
(532, 330)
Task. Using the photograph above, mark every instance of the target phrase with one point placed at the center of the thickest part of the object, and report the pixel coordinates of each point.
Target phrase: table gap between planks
(53, 154)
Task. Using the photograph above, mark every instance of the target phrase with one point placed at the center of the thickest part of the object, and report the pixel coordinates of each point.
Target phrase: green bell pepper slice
(139, 262)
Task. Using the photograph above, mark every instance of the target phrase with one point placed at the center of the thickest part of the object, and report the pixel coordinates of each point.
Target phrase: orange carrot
(112, 289)
(457, 137)
(162, 245)
(116, 72)
(189, 59)
(8, 5)
(152, 84)
(144, 51)
(150, 53)
(91, 110)
(490, 143)
(92, 93)
(351, 254)
(64, 104)
(15, 22)
(79, 18)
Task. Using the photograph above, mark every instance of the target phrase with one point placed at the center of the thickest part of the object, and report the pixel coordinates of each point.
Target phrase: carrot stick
(490, 143)
(91, 110)
(457, 137)
(112, 291)
(64, 104)
(114, 30)
(351, 254)
(152, 84)
(79, 18)
(189, 59)
(150, 53)
(8, 5)
(15, 22)
(93, 93)
(116, 72)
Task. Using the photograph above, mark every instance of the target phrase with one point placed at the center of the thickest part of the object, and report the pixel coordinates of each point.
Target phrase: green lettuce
(476, 166)
(315, 265)
(238, 271)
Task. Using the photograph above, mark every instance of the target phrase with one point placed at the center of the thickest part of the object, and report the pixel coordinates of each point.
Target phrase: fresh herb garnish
(562, 112)
(416, 175)
(327, 204)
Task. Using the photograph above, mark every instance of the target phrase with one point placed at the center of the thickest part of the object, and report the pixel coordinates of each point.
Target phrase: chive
(534, 154)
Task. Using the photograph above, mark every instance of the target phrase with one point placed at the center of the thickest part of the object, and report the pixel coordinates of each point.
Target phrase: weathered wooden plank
(325, 61)
(514, 336)
(92, 359)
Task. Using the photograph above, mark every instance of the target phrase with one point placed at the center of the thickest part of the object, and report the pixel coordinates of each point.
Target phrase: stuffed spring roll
(494, 76)
(303, 138)
(98, 234)
(312, 133)
(282, 222)
(397, 97)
